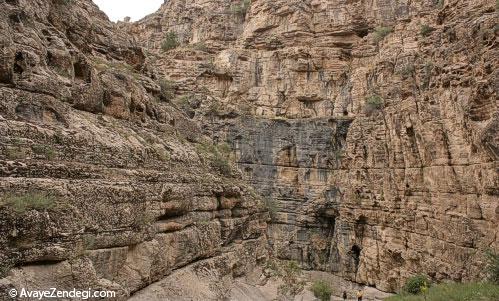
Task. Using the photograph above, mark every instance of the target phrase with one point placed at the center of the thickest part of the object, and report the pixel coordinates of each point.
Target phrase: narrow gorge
(178, 157)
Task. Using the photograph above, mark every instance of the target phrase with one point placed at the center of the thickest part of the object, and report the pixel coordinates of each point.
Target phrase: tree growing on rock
(290, 273)
(321, 290)
(170, 41)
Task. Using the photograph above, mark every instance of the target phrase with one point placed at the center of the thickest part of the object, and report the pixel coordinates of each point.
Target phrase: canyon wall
(370, 127)
(104, 184)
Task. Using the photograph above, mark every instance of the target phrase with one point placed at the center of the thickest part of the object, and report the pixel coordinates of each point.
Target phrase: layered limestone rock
(370, 127)
(104, 184)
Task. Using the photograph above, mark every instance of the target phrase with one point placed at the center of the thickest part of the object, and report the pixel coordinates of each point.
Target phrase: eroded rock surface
(368, 127)
(371, 125)
(103, 183)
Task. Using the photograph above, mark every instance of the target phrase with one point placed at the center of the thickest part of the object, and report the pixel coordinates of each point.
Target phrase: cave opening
(19, 63)
(355, 253)
(82, 72)
(362, 32)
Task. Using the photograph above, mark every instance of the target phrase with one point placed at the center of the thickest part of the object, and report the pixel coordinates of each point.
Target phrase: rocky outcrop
(368, 128)
(370, 125)
(104, 184)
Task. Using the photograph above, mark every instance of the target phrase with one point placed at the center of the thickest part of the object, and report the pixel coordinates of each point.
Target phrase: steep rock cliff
(368, 127)
(371, 125)
(103, 183)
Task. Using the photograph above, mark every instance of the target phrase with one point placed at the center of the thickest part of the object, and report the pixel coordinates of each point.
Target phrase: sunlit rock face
(103, 184)
(368, 128)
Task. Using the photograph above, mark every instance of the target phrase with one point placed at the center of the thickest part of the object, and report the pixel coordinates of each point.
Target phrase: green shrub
(162, 154)
(44, 150)
(321, 290)
(183, 100)
(454, 292)
(21, 203)
(188, 104)
(426, 30)
(406, 70)
(272, 268)
(414, 284)
(217, 155)
(374, 103)
(271, 206)
(170, 41)
(381, 32)
(221, 164)
(102, 65)
(5, 266)
(242, 8)
(15, 153)
(224, 148)
(88, 241)
(201, 46)
(214, 109)
(290, 273)
(338, 154)
(167, 89)
(493, 266)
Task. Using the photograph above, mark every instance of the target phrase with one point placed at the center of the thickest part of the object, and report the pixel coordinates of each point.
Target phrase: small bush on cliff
(5, 266)
(15, 153)
(217, 155)
(242, 8)
(381, 32)
(290, 274)
(339, 154)
(493, 266)
(221, 164)
(426, 30)
(46, 151)
(187, 104)
(167, 90)
(406, 70)
(373, 103)
(21, 203)
(321, 290)
(201, 46)
(271, 206)
(414, 284)
(170, 41)
(214, 109)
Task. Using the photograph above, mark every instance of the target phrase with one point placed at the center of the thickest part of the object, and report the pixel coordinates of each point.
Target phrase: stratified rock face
(103, 183)
(369, 127)
(372, 125)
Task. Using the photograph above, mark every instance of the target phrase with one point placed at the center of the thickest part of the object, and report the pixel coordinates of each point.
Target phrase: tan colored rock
(103, 182)
(373, 137)
(378, 142)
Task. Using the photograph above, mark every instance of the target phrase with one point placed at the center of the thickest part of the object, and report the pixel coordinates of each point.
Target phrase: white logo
(13, 293)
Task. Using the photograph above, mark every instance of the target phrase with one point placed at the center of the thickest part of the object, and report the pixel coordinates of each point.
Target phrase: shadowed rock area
(173, 158)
